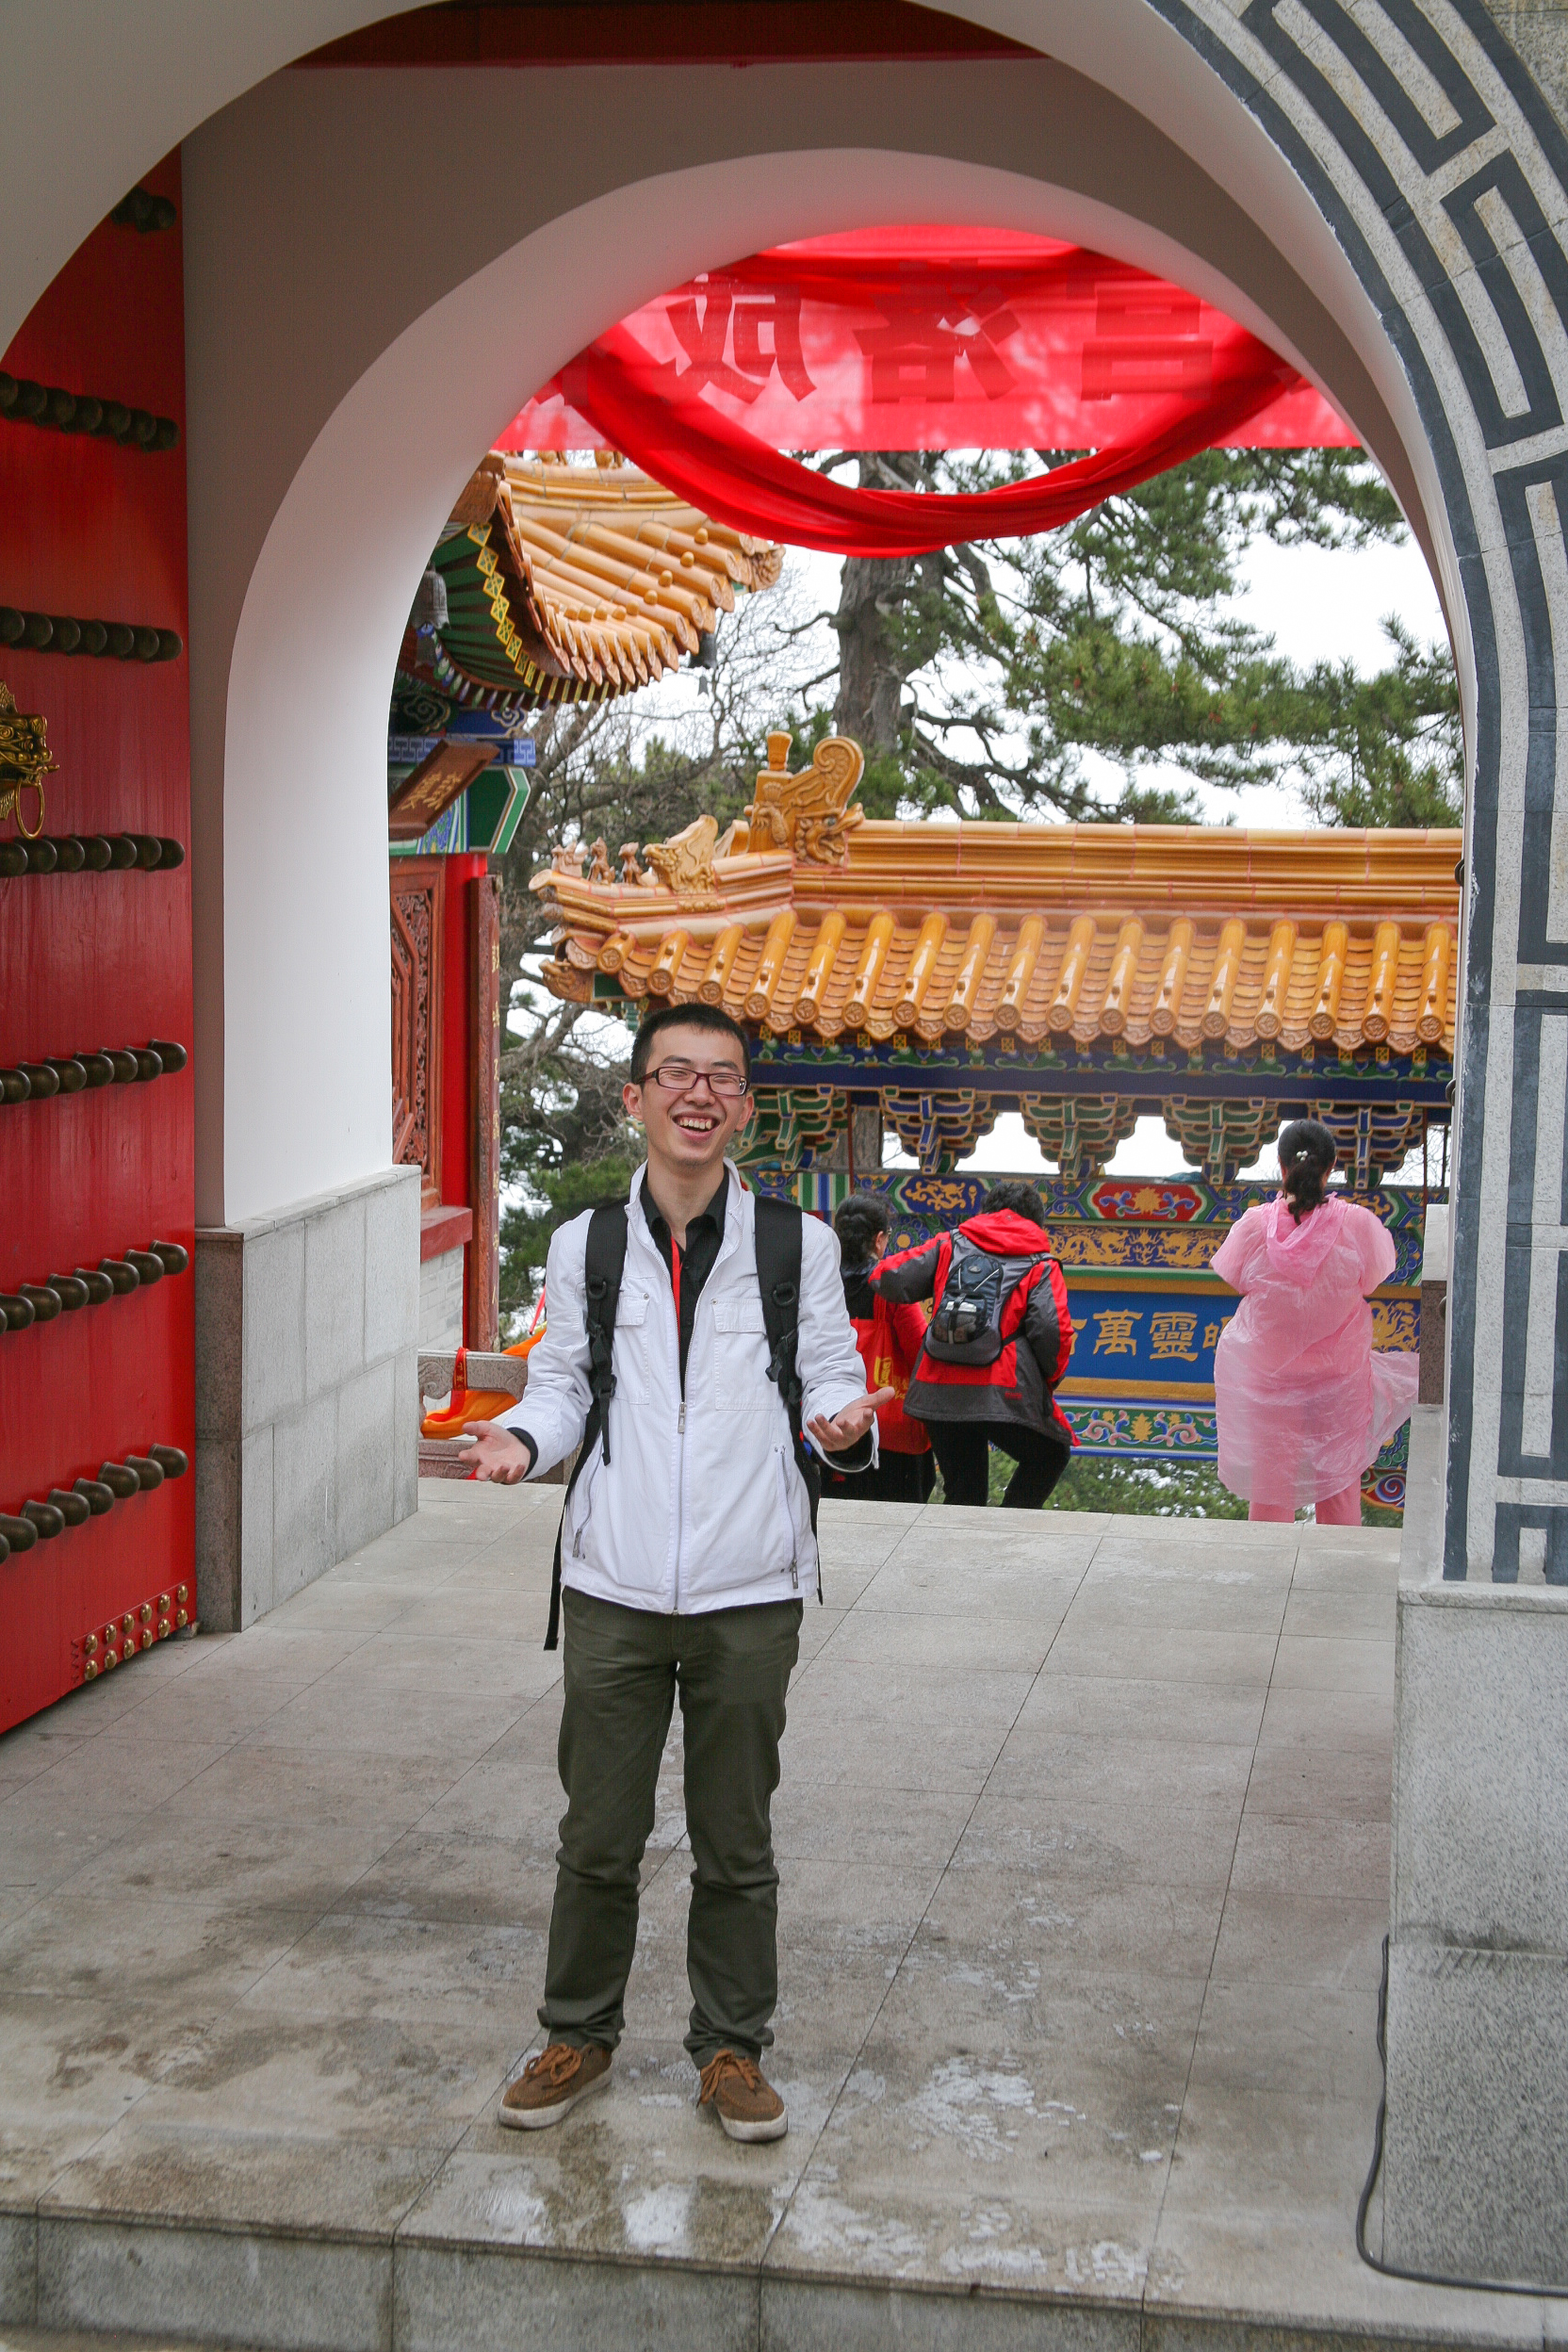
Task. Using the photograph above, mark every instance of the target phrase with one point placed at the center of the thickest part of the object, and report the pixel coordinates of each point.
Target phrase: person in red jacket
(996, 1348)
(889, 1337)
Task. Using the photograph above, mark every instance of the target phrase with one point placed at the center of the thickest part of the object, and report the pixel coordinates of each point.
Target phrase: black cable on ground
(1392, 2270)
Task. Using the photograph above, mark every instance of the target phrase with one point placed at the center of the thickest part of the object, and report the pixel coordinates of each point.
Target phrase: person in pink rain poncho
(1303, 1403)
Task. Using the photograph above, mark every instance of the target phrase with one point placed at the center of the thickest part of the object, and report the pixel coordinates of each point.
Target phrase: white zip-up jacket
(701, 1505)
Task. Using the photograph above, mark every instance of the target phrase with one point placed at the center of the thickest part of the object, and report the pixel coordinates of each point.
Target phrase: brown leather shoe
(550, 2086)
(741, 2096)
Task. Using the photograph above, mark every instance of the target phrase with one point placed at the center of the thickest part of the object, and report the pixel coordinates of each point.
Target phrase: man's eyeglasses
(679, 1077)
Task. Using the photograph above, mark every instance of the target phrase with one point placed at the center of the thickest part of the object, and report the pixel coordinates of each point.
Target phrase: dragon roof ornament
(684, 863)
(808, 812)
(805, 817)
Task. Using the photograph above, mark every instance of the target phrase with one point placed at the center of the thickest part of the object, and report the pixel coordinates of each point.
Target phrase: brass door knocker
(25, 762)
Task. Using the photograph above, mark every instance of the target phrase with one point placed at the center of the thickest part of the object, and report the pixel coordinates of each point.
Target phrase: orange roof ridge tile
(1126, 933)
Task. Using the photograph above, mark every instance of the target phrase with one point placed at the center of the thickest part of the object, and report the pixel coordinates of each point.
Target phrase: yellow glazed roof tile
(571, 583)
(1085, 934)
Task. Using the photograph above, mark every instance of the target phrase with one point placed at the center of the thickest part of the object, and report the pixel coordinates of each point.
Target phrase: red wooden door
(92, 531)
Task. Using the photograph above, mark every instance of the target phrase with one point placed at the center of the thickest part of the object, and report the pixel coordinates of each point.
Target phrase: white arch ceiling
(93, 94)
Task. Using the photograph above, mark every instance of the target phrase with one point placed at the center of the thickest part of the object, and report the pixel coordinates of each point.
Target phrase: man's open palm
(849, 1426)
(494, 1453)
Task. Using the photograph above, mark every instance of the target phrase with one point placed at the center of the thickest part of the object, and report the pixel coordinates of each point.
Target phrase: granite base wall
(306, 1405)
(441, 1301)
(1476, 2169)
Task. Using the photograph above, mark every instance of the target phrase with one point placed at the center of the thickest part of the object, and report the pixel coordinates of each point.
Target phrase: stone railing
(444, 1457)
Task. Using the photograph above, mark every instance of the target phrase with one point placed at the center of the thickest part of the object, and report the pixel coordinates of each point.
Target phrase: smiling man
(687, 1543)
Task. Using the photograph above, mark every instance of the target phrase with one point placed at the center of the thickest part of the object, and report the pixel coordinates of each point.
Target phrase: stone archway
(1383, 190)
(1442, 207)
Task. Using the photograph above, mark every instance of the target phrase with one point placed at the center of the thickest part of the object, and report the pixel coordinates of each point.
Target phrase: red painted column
(481, 1301)
(93, 529)
(457, 1108)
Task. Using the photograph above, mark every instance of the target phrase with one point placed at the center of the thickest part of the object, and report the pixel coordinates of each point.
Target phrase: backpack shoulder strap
(603, 1263)
(779, 1229)
(963, 1253)
(778, 1257)
(1019, 1276)
(943, 1268)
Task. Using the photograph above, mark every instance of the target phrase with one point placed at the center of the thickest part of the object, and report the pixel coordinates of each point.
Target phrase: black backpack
(779, 1251)
(966, 1326)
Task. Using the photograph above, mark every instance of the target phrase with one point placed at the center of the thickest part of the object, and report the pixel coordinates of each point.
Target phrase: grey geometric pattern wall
(1444, 174)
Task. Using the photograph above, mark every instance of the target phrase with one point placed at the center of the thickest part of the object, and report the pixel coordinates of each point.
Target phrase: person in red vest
(889, 1337)
(998, 1345)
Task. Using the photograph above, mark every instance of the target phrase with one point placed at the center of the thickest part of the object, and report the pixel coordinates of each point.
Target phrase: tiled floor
(1084, 1838)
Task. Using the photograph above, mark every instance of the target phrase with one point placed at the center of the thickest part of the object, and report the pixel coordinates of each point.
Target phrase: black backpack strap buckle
(784, 1341)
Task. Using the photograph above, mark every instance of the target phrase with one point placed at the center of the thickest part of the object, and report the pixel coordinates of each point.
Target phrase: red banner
(921, 338)
(935, 338)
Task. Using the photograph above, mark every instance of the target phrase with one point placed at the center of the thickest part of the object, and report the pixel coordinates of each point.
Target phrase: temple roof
(577, 584)
(806, 917)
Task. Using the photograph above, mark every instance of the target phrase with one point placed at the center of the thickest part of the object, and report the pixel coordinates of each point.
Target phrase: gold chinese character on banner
(1212, 1331)
(1117, 1337)
(1172, 1335)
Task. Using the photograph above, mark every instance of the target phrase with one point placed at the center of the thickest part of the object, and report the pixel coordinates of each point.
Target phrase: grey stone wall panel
(218, 1270)
(405, 1458)
(305, 1497)
(445, 2296)
(441, 1301)
(333, 1296)
(391, 1241)
(219, 1523)
(305, 1368)
(256, 1583)
(1481, 1772)
(18, 2269)
(1476, 2169)
(272, 1324)
(367, 1444)
(220, 2287)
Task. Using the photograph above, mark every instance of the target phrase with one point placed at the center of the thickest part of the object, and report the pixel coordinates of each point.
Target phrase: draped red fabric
(920, 339)
(706, 457)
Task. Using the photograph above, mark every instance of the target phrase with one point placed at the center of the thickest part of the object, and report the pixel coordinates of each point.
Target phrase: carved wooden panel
(416, 977)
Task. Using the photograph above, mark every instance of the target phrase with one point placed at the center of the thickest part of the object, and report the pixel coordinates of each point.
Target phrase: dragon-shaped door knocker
(25, 762)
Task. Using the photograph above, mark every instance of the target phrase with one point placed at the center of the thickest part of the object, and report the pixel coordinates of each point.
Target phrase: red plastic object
(97, 531)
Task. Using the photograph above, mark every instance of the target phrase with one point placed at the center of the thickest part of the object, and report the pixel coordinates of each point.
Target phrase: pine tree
(978, 678)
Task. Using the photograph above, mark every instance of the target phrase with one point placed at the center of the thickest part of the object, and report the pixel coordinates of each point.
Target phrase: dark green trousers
(622, 1669)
